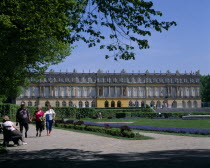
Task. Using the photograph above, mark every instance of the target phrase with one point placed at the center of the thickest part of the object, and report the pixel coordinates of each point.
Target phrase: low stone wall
(194, 117)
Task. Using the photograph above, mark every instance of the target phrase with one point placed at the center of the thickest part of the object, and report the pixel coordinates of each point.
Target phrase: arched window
(57, 104)
(136, 103)
(142, 104)
(29, 103)
(119, 104)
(165, 104)
(80, 104)
(106, 104)
(64, 104)
(152, 104)
(183, 104)
(46, 103)
(112, 104)
(130, 103)
(174, 104)
(86, 104)
(71, 104)
(36, 104)
(195, 104)
(189, 104)
(100, 91)
(158, 104)
(93, 104)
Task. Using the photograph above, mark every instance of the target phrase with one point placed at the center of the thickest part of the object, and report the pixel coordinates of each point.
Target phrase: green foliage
(81, 113)
(130, 20)
(123, 115)
(144, 114)
(2, 98)
(9, 110)
(110, 131)
(68, 112)
(120, 112)
(205, 88)
(3, 150)
(35, 34)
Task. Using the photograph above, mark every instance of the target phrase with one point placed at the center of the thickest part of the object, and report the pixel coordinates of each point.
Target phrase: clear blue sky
(184, 47)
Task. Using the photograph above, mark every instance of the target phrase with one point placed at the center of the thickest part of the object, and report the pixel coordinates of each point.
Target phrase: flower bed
(161, 129)
(120, 132)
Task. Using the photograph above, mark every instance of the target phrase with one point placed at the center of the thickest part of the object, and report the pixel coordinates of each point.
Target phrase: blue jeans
(49, 124)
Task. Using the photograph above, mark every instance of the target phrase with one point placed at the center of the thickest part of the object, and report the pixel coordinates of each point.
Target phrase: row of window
(158, 104)
(120, 80)
(104, 91)
(70, 104)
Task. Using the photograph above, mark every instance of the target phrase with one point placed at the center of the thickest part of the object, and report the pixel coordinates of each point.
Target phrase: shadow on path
(57, 158)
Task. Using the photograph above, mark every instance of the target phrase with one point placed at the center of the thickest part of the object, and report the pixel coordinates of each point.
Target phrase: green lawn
(204, 123)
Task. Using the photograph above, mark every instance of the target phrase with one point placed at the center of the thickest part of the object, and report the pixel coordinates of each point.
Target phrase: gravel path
(80, 147)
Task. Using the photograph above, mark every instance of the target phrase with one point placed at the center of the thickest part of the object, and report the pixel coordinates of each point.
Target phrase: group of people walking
(23, 118)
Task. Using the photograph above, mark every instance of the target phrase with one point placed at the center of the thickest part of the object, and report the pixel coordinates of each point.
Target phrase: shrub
(108, 130)
(69, 122)
(79, 123)
(107, 126)
(123, 115)
(79, 127)
(9, 110)
(129, 134)
(58, 121)
(124, 128)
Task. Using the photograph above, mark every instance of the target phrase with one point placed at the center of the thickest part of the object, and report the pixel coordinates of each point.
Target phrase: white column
(132, 91)
(67, 91)
(43, 91)
(50, 94)
(53, 91)
(146, 92)
(60, 91)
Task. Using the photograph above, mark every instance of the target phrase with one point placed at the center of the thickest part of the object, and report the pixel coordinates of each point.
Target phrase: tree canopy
(205, 88)
(35, 34)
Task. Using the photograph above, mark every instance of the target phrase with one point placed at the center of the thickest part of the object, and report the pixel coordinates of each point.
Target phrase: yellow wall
(101, 102)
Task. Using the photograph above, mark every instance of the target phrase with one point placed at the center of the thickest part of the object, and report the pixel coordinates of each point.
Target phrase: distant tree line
(205, 88)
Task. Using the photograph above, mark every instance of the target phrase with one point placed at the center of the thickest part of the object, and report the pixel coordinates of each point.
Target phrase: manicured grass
(171, 133)
(141, 137)
(202, 124)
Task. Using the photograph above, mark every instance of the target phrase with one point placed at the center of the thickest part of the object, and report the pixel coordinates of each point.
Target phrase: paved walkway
(85, 150)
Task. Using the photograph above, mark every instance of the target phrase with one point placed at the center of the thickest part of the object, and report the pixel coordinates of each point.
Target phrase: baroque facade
(171, 90)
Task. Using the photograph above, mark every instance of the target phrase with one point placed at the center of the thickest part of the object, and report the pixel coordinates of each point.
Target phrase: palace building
(172, 90)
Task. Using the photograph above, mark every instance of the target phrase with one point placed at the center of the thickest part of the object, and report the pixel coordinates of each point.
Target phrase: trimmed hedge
(120, 112)
(61, 112)
(109, 131)
(81, 113)
(9, 110)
